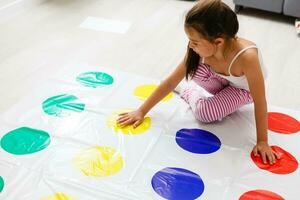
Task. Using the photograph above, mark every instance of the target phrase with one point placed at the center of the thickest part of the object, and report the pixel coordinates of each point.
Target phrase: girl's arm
(165, 87)
(253, 73)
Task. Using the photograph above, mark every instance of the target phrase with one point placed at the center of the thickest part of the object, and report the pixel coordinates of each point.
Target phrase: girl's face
(201, 46)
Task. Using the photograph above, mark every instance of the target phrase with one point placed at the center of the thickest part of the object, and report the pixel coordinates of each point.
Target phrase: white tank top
(241, 81)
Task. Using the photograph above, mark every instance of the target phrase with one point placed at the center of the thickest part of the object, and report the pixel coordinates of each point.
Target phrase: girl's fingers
(122, 119)
(271, 158)
(255, 151)
(122, 114)
(264, 157)
(125, 123)
(137, 123)
(274, 158)
(276, 155)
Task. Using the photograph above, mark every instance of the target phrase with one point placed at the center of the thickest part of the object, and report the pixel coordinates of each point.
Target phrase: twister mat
(61, 142)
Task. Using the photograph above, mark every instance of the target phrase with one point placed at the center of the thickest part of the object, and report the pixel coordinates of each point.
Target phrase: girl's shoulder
(247, 48)
(250, 55)
(244, 43)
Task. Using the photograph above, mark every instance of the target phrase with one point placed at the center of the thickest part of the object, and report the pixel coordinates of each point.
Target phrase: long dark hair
(212, 19)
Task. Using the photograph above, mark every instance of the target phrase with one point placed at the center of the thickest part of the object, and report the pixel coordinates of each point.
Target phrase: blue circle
(177, 183)
(197, 141)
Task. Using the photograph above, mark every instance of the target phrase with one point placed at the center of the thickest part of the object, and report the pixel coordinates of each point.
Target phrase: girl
(224, 65)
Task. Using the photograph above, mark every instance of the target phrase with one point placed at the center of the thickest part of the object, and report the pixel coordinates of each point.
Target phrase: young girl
(224, 65)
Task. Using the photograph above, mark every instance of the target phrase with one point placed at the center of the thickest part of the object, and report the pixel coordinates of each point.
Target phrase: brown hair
(212, 19)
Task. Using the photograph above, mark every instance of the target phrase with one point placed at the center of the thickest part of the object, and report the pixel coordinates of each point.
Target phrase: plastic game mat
(61, 142)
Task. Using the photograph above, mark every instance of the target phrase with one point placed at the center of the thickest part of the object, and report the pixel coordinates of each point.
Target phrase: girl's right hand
(135, 117)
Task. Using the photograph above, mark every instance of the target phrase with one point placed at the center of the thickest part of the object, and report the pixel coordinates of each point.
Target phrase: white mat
(227, 173)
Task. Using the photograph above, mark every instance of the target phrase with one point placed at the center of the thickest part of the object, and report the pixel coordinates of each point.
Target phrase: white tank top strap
(202, 61)
(237, 55)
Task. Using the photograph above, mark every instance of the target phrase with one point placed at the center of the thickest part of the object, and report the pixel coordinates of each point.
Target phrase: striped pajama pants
(226, 99)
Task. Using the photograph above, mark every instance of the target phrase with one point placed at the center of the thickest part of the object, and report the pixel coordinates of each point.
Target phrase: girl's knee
(204, 113)
(203, 119)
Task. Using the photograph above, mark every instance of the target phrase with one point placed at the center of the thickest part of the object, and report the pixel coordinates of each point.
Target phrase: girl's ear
(219, 41)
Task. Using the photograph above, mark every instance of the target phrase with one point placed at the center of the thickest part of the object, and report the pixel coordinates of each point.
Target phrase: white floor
(39, 37)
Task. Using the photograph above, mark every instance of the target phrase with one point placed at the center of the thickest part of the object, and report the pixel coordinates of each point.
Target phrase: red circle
(260, 195)
(282, 123)
(284, 165)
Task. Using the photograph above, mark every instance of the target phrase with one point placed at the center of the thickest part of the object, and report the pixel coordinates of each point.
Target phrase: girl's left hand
(266, 152)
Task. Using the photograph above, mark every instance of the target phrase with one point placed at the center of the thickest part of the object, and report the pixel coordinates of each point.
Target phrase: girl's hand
(266, 152)
(135, 117)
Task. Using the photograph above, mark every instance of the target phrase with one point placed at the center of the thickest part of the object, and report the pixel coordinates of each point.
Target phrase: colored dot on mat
(144, 91)
(197, 141)
(282, 123)
(62, 105)
(58, 196)
(260, 195)
(25, 140)
(284, 165)
(1, 184)
(95, 79)
(128, 130)
(177, 183)
(99, 161)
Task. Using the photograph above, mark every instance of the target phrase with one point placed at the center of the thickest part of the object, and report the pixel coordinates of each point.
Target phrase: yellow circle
(99, 161)
(144, 91)
(112, 123)
(58, 196)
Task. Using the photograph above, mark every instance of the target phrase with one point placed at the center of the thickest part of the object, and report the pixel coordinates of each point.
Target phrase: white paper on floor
(61, 142)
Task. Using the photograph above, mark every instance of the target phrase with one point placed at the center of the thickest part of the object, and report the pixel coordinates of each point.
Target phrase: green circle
(62, 105)
(94, 79)
(1, 184)
(25, 140)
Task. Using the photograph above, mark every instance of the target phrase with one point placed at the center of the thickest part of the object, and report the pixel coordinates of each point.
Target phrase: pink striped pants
(225, 100)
